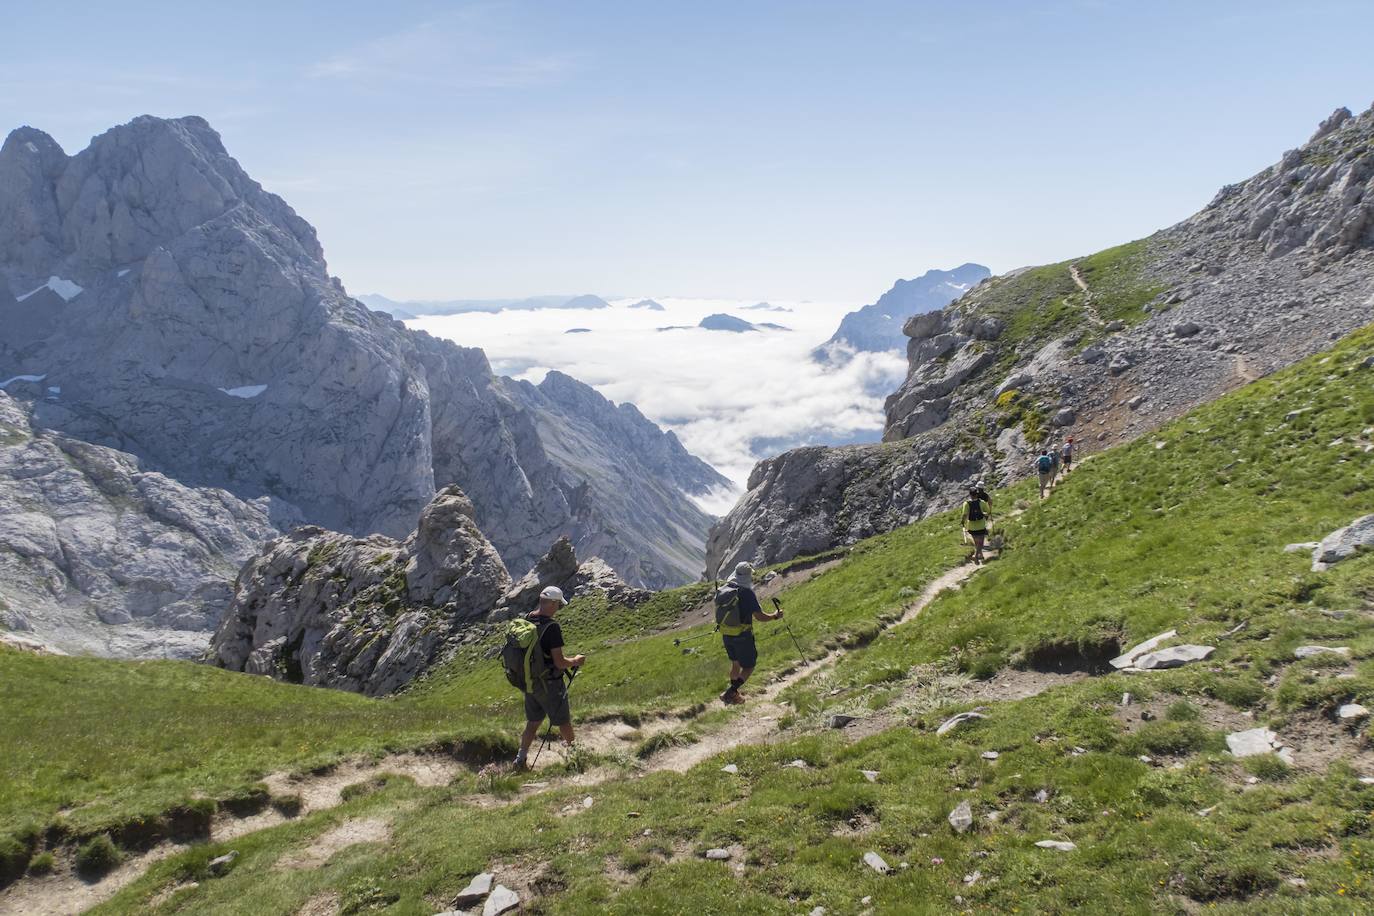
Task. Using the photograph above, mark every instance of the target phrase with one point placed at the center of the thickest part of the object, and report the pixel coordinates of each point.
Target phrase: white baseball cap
(553, 593)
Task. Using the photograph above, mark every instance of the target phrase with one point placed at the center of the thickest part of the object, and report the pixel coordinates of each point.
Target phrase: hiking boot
(731, 697)
(521, 765)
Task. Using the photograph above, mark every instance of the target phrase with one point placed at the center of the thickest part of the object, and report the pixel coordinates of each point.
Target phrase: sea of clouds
(732, 398)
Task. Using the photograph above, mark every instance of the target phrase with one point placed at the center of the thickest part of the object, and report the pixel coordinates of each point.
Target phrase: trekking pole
(680, 641)
(777, 605)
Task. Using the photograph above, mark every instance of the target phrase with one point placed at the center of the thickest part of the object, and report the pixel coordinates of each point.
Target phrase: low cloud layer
(732, 398)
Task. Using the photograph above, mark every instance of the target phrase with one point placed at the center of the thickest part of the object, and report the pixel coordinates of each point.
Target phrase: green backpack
(521, 657)
(727, 607)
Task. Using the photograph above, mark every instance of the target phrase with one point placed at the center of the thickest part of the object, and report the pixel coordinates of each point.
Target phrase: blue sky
(742, 149)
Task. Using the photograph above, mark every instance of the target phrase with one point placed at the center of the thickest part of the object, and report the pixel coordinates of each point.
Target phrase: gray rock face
(629, 476)
(560, 568)
(364, 614)
(243, 365)
(1344, 543)
(1263, 276)
(100, 555)
(878, 327)
(372, 614)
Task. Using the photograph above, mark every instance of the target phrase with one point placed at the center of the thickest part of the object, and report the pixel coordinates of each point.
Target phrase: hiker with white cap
(737, 607)
(546, 693)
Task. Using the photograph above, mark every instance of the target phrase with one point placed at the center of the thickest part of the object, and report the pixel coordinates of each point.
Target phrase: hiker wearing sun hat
(737, 607)
(546, 694)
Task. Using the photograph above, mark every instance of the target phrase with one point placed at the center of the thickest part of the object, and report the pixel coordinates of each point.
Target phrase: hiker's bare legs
(566, 733)
(527, 737)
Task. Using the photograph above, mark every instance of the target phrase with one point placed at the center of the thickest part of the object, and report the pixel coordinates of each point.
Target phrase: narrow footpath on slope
(758, 721)
(1088, 302)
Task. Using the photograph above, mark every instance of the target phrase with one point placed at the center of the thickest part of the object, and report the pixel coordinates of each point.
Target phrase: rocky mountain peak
(183, 314)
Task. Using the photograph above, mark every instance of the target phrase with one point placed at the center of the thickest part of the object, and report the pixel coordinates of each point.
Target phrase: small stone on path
(502, 900)
(718, 855)
(955, 721)
(476, 891)
(990, 755)
(961, 818)
(1314, 651)
(1352, 711)
(1060, 845)
(1173, 657)
(1127, 659)
(220, 866)
(875, 862)
(797, 764)
(870, 775)
(1252, 742)
(729, 768)
(840, 721)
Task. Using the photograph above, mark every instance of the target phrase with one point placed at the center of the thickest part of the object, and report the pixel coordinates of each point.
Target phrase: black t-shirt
(748, 607)
(551, 638)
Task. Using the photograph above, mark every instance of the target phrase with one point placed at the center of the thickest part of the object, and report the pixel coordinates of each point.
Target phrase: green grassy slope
(1188, 535)
(117, 742)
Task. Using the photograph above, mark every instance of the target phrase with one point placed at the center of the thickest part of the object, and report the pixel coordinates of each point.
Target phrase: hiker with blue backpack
(535, 664)
(1044, 466)
(737, 607)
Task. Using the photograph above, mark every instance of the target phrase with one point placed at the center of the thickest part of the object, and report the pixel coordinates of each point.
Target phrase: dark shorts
(1068, 463)
(550, 700)
(978, 536)
(741, 649)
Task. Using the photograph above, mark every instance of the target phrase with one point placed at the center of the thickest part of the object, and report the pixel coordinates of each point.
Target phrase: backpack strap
(529, 653)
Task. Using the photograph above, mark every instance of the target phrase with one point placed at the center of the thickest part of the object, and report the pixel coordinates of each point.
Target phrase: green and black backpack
(727, 607)
(521, 656)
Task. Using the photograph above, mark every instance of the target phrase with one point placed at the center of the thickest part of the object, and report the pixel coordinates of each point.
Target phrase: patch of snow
(123, 272)
(245, 391)
(64, 288)
(23, 378)
(30, 147)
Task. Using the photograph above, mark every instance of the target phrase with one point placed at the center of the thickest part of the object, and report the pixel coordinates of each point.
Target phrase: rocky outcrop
(363, 614)
(187, 316)
(560, 568)
(371, 614)
(100, 555)
(878, 327)
(1104, 348)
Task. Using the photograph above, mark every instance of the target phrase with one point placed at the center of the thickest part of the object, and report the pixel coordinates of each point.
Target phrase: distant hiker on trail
(1044, 466)
(981, 492)
(534, 658)
(1066, 454)
(977, 516)
(737, 607)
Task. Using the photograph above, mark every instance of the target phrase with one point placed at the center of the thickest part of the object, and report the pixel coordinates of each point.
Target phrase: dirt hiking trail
(758, 721)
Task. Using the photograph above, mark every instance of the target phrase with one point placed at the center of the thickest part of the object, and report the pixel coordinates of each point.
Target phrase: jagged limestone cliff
(174, 310)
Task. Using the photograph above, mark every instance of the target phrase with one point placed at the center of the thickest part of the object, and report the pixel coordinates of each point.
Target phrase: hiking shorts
(978, 536)
(741, 649)
(1068, 462)
(551, 701)
(1046, 478)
